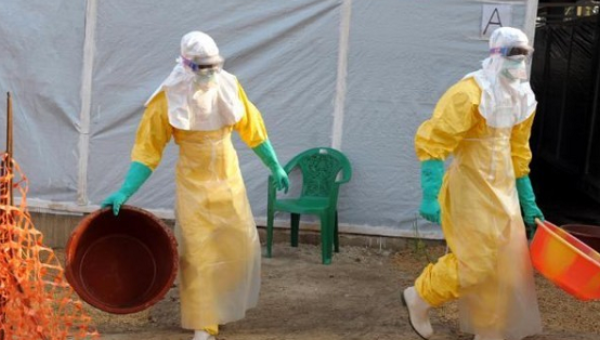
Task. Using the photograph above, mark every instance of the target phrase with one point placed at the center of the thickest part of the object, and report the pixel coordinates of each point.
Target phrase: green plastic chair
(321, 181)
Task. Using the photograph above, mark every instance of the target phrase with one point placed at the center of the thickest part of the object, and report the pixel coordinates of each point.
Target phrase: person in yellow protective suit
(485, 122)
(199, 105)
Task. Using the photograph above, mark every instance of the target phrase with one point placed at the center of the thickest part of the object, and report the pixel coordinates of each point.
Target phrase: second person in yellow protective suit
(485, 122)
(200, 105)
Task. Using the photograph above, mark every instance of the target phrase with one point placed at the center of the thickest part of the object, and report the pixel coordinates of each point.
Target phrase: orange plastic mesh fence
(36, 302)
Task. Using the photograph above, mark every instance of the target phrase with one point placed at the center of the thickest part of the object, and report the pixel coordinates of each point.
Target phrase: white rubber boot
(202, 335)
(418, 312)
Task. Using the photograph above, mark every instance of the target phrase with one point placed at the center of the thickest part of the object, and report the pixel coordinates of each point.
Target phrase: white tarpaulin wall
(358, 75)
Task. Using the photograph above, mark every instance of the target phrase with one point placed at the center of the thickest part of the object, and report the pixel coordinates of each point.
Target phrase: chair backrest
(320, 168)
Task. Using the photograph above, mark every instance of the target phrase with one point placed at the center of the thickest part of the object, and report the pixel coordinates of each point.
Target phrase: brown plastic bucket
(588, 234)
(121, 264)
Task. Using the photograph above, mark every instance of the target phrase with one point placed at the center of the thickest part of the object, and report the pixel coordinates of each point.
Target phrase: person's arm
(436, 138)
(521, 157)
(253, 132)
(153, 134)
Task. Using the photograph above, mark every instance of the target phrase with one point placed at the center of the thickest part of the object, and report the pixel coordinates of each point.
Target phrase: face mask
(514, 69)
(205, 78)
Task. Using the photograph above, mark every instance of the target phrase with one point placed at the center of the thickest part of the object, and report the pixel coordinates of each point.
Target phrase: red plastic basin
(121, 264)
(588, 234)
(566, 261)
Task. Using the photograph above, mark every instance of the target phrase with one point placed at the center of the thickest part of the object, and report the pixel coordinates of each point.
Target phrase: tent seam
(342, 72)
(86, 100)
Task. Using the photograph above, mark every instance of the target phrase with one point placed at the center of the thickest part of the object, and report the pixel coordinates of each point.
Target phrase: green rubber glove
(432, 175)
(137, 175)
(267, 155)
(527, 200)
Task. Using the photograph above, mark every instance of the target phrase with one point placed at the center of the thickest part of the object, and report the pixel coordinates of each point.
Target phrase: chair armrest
(293, 163)
(333, 194)
(272, 192)
(346, 176)
(290, 167)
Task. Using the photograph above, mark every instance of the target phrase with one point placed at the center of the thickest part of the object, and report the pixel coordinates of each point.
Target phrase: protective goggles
(514, 53)
(200, 68)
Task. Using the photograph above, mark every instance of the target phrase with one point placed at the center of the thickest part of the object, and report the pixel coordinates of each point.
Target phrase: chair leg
(336, 236)
(326, 233)
(330, 232)
(295, 226)
(270, 218)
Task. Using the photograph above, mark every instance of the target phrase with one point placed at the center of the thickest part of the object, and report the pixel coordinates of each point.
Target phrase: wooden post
(6, 166)
(9, 143)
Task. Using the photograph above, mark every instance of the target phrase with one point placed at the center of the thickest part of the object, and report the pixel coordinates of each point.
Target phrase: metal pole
(595, 110)
(563, 101)
(546, 81)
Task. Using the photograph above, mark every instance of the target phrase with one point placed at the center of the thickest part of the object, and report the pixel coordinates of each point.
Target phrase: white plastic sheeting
(358, 74)
(41, 58)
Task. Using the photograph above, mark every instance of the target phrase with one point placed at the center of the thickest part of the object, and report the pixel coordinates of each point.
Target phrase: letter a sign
(494, 16)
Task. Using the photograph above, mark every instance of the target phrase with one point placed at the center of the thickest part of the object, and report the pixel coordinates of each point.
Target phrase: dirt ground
(357, 297)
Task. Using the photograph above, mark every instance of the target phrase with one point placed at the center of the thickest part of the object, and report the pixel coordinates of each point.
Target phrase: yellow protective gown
(219, 247)
(489, 269)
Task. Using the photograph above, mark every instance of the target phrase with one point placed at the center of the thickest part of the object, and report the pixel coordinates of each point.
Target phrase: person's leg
(437, 284)
(208, 333)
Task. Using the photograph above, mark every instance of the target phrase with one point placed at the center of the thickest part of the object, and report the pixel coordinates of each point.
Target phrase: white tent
(357, 75)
